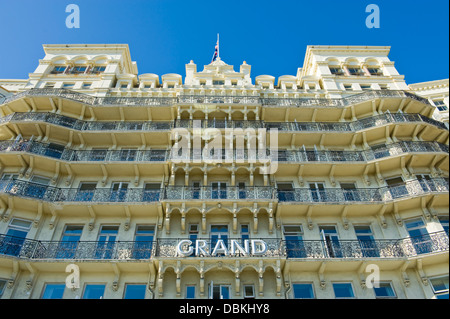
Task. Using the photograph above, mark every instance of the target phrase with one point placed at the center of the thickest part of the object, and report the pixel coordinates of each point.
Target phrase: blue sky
(271, 36)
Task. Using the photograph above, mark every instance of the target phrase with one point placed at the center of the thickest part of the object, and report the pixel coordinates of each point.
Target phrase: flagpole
(218, 46)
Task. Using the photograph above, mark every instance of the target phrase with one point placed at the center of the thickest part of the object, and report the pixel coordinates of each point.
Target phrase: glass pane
(94, 291)
(343, 290)
(134, 292)
(53, 291)
(225, 292)
(440, 284)
(385, 290)
(303, 291)
(190, 292)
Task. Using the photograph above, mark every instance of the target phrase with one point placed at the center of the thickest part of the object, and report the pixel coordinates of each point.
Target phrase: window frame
(304, 284)
(385, 297)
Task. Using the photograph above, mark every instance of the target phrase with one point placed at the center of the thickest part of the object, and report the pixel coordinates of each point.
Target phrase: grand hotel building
(91, 184)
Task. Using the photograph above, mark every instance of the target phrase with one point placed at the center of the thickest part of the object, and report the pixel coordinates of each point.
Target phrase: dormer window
(375, 71)
(355, 71)
(440, 105)
(124, 85)
(58, 69)
(170, 86)
(336, 71)
(98, 69)
(78, 70)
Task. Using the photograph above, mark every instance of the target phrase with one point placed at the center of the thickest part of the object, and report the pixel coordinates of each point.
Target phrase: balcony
(212, 193)
(303, 195)
(384, 194)
(342, 102)
(167, 248)
(219, 99)
(363, 249)
(97, 195)
(161, 155)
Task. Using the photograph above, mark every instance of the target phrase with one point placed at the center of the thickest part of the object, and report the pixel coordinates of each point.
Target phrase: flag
(216, 51)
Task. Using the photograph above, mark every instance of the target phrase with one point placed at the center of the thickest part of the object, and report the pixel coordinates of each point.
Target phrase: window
(98, 69)
(87, 85)
(384, 291)
(444, 222)
(59, 69)
(355, 71)
(234, 83)
(245, 232)
(336, 71)
(94, 291)
(330, 237)
(118, 191)
(318, 192)
(419, 236)
(303, 291)
(69, 241)
(350, 191)
(218, 82)
(151, 192)
(286, 192)
(78, 70)
(15, 237)
(193, 232)
(2, 286)
(106, 242)
(365, 87)
(190, 292)
(440, 287)
(68, 85)
(219, 291)
(49, 85)
(143, 241)
(171, 86)
(366, 241)
(9, 176)
(293, 235)
(53, 291)
(375, 71)
(86, 191)
(249, 291)
(134, 291)
(348, 87)
(383, 86)
(343, 290)
(440, 105)
(124, 85)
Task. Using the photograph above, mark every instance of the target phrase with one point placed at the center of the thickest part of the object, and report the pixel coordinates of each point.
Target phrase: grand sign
(254, 247)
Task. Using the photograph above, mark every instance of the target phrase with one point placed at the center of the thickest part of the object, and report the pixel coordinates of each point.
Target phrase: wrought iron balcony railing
(271, 247)
(100, 195)
(209, 192)
(305, 195)
(223, 155)
(228, 99)
(150, 126)
(363, 249)
(384, 194)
